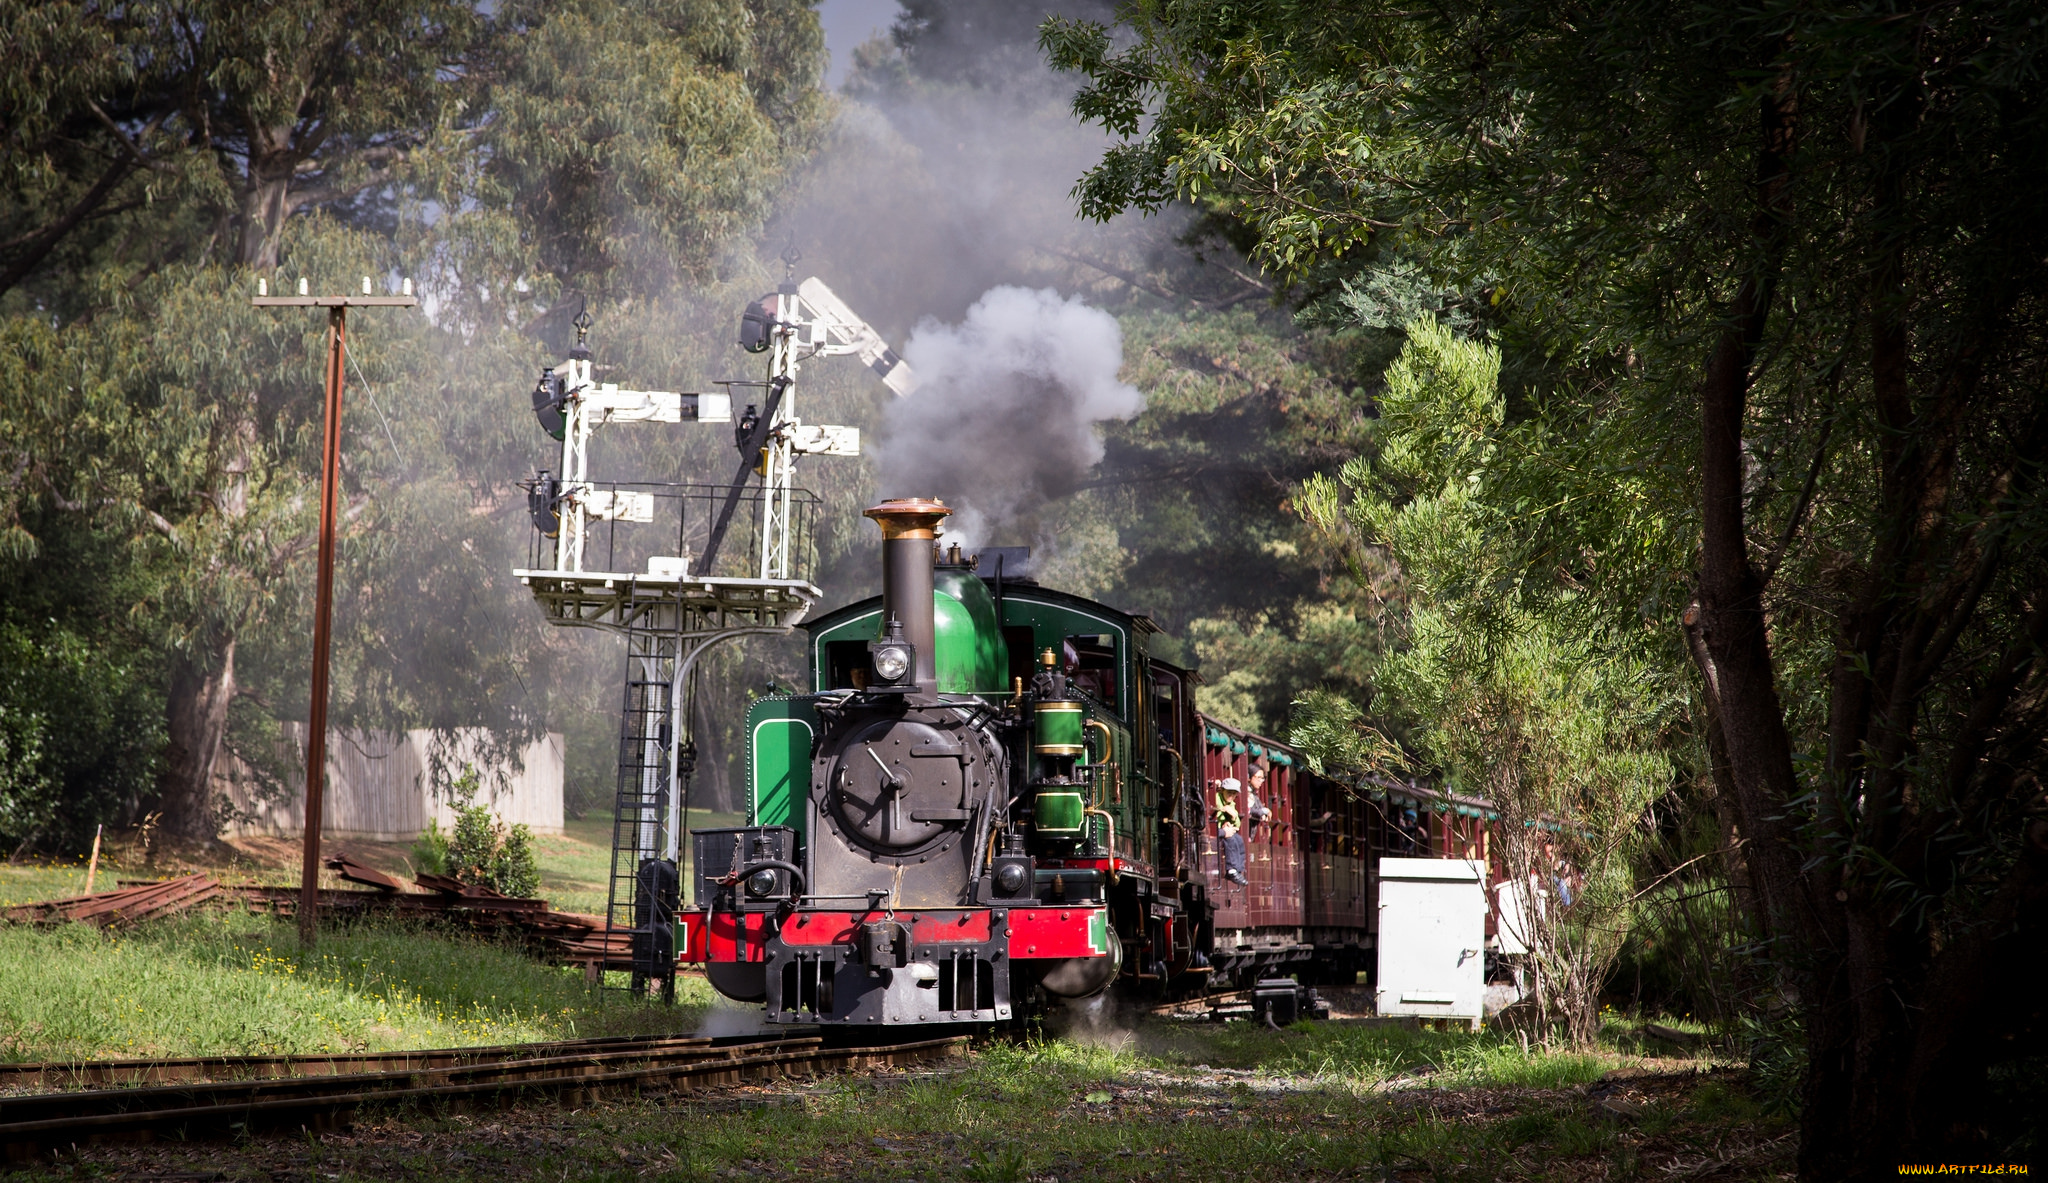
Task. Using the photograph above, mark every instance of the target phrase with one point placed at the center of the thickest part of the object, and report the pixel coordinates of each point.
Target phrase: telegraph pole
(323, 611)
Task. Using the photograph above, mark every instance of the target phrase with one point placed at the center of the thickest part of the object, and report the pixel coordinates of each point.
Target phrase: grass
(231, 984)
(228, 984)
(1144, 1100)
(1152, 1103)
(576, 865)
(54, 879)
(218, 983)
(1375, 1054)
(1313, 1102)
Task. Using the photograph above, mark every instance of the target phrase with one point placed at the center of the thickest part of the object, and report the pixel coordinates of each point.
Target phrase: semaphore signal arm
(797, 322)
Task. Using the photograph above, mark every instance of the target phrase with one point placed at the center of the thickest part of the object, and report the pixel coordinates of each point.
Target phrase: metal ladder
(644, 889)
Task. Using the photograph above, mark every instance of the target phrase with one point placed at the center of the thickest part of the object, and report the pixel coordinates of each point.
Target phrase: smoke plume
(726, 1019)
(1003, 419)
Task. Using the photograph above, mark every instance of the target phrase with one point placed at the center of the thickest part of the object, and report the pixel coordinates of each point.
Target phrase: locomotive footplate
(876, 967)
(936, 965)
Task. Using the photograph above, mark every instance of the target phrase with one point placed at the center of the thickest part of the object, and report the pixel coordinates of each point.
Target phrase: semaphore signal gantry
(792, 325)
(642, 559)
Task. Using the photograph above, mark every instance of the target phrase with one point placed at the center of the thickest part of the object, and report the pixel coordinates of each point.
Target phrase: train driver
(1227, 822)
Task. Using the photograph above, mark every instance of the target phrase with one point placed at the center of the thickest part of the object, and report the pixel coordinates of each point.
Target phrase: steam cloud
(1003, 419)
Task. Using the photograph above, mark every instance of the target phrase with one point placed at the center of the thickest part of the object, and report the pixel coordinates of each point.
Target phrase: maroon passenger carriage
(1311, 901)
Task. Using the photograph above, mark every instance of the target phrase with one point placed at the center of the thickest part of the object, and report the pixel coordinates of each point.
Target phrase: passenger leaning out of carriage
(1227, 823)
(1255, 812)
(1563, 874)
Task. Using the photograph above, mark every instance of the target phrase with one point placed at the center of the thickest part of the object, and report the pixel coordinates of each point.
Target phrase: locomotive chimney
(909, 532)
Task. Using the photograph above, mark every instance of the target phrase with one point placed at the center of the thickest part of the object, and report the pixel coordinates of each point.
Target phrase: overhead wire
(372, 392)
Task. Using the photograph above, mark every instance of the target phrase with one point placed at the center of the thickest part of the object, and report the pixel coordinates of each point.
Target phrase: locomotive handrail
(796, 875)
(1108, 761)
(1108, 739)
(1108, 820)
(1180, 764)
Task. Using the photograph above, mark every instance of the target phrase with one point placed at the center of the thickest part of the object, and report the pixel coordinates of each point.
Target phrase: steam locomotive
(993, 797)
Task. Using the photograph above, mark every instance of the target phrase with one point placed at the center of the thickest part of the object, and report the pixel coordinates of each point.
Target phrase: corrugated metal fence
(384, 785)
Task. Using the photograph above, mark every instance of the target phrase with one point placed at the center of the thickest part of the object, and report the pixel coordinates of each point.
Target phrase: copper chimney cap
(908, 517)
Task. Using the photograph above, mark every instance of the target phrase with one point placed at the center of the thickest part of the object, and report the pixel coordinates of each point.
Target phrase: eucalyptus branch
(143, 159)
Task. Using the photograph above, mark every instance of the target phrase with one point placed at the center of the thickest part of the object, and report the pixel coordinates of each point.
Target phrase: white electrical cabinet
(1432, 939)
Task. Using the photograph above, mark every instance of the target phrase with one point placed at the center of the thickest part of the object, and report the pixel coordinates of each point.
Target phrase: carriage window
(1090, 660)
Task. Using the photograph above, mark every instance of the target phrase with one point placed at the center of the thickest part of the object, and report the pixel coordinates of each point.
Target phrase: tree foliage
(162, 156)
(1560, 728)
(1767, 283)
(629, 144)
(481, 849)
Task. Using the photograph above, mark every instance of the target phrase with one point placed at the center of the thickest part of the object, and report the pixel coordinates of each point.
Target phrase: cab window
(1090, 662)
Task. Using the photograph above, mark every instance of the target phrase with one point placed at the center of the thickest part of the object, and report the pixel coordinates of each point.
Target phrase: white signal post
(588, 405)
(811, 321)
(805, 322)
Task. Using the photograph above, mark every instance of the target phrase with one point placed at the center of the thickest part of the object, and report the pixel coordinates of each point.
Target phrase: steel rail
(333, 1107)
(37, 1106)
(72, 1074)
(1210, 1002)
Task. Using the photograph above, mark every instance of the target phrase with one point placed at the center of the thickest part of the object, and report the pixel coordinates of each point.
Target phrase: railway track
(59, 1074)
(34, 1124)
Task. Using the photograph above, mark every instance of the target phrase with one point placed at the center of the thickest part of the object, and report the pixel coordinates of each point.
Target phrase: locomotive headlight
(892, 655)
(761, 884)
(892, 661)
(1010, 878)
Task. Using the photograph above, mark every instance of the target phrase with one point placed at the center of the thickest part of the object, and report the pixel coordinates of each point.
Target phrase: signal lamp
(548, 397)
(542, 494)
(754, 326)
(761, 884)
(1010, 878)
(892, 656)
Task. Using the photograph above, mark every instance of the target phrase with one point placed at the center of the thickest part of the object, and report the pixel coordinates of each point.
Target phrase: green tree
(1783, 264)
(220, 120)
(481, 850)
(217, 117)
(80, 735)
(631, 144)
(161, 155)
(1560, 728)
(1242, 405)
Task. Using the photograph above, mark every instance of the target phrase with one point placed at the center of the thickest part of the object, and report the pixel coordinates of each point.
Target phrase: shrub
(483, 850)
(81, 728)
(473, 849)
(515, 871)
(430, 849)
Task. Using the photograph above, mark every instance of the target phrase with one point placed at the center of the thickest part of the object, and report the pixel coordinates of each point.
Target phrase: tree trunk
(266, 196)
(197, 717)
(714, 785)
(1892, 999)
(1725, 626)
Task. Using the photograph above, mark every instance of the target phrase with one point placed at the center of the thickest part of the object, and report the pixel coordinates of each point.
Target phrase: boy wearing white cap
(1227, 822)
